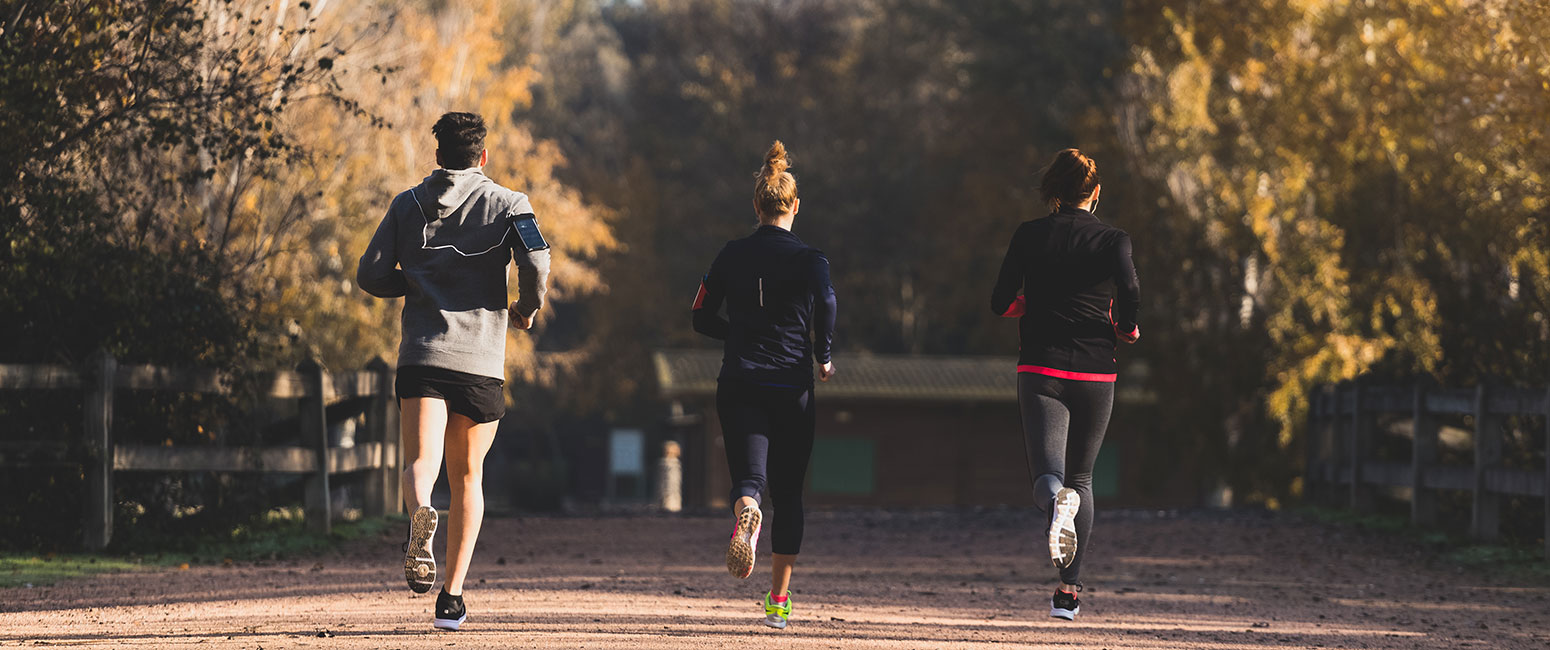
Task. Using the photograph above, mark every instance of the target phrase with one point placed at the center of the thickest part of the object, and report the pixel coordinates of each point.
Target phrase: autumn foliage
(1316, 189)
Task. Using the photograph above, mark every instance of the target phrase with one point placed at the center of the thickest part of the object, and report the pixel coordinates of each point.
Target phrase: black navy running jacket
(1080, 294)
(776, 290)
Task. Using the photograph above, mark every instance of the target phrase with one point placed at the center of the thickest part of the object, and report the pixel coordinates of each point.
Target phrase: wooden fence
(323, 399)
(1342, 431)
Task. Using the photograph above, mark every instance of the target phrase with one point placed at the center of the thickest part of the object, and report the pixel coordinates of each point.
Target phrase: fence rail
(1341, 433)
(323, 398)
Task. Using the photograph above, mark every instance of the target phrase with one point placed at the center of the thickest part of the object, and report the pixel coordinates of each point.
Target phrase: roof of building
(932, 378)
(682, 373)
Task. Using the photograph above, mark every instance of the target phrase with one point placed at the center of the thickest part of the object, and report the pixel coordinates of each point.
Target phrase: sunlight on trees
(407, 69)
(1317, 189)
(1382, 163)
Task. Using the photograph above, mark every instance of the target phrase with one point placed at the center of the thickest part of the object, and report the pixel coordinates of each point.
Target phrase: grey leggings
(1063, 425)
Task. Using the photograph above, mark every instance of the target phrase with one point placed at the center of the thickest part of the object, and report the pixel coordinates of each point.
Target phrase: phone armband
(526, 227)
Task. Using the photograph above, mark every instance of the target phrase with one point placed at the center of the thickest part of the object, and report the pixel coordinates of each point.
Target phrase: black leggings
(1063, 425)
(768, 434)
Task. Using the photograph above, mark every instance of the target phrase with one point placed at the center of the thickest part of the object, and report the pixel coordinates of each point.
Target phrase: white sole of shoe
(448, 623)
(419, 562)
(775, 622)
(1067, 614)
(740, 551)
(1062, 529)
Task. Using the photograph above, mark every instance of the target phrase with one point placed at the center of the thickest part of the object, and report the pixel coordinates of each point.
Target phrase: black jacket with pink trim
(1080, 294)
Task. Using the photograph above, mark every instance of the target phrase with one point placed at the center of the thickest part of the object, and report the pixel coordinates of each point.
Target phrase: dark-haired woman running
(1080, 298)
(777, 294)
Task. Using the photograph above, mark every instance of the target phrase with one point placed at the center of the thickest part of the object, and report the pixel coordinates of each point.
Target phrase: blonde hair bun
(775, 162)
(775, 192)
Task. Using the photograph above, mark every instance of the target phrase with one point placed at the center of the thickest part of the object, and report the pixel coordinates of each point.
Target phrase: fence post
(1313, 448)
(1486, 513)
(1308, 454)
(382, 482)
(1423, 454)
(1361, 436)
(97, 528)
(1339, 444)
(314, 432)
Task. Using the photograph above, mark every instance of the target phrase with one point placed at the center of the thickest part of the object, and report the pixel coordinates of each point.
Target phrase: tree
(1368, 184)
(915, 128)
(116, 116)
(420, 62)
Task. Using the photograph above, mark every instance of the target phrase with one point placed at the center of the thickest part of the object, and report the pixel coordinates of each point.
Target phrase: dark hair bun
(1070, 179)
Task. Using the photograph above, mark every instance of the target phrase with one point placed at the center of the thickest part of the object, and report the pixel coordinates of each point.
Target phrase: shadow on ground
(866, 579)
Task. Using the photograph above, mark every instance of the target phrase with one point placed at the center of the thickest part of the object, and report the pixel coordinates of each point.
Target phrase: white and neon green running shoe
(776, 614)
(745, 537)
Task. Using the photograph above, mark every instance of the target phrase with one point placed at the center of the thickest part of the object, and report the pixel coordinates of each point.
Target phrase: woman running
(1080, 297)
(777, 291)
(445, 245)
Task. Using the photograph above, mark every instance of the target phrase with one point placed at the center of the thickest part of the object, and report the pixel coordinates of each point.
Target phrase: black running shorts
(476, 397)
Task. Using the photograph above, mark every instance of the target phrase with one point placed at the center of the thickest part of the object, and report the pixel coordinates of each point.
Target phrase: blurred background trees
(1366, 183)
(1317, 189)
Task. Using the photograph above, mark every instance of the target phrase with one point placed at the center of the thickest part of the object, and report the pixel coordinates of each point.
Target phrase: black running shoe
(1065, 604)
(450, 611)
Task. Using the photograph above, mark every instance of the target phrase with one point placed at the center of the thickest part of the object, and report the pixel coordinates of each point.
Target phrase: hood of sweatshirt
(448, 189)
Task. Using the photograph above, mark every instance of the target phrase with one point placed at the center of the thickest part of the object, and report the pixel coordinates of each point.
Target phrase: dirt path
(868, 580)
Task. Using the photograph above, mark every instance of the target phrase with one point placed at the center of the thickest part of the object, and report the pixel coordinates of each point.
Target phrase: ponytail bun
(775, 162)
(775, 192)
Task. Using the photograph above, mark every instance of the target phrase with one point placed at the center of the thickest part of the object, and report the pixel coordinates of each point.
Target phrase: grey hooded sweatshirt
(444, 246)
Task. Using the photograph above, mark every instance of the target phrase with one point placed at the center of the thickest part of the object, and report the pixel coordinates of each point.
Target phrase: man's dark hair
(460, 137)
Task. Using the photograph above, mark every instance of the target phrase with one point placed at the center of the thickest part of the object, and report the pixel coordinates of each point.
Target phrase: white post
(670, 478)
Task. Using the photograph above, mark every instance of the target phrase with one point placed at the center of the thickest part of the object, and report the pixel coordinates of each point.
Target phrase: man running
(445, 246)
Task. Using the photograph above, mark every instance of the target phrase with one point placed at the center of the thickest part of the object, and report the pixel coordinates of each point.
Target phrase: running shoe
(1065, 604)
(1062, 528)
(450, 611)
(419, 563)
(745, 536)
(776, 614)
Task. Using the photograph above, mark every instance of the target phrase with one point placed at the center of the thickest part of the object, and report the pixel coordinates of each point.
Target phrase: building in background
(900, 431)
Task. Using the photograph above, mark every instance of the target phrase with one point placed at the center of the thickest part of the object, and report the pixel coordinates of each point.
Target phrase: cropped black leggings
(768, 435)
(1063, 425)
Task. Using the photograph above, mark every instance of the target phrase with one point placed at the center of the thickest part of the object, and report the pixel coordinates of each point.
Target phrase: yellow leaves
(450, 58)
(1189, 94)
(1253, 76)
(1531, 255)
(1505, 38)
(1389, 138)
(1367, 117)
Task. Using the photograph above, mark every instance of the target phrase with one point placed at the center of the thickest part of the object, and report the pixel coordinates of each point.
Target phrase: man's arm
(378, 273)
(532, 284)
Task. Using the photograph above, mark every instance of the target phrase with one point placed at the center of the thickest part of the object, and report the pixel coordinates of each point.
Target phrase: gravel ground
(867, 579)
